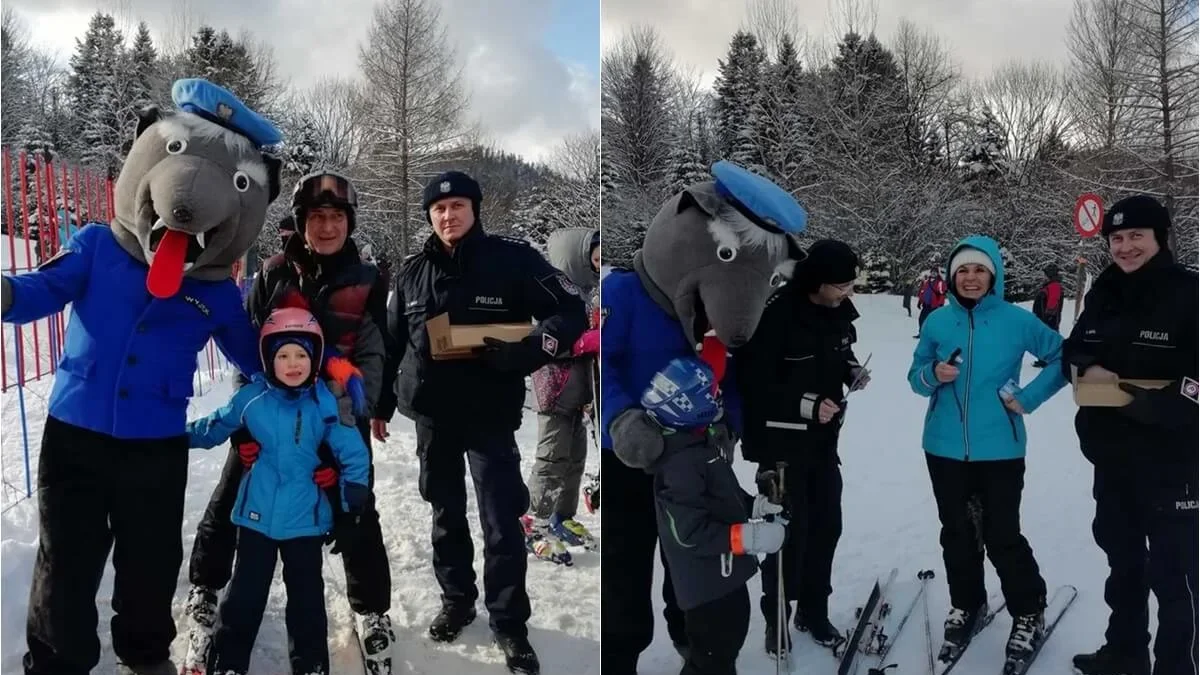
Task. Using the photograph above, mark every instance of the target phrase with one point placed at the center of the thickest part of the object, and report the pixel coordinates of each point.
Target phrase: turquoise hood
(992, 250)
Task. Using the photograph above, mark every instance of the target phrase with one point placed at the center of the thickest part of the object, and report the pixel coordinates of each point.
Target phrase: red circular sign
(1088, 215)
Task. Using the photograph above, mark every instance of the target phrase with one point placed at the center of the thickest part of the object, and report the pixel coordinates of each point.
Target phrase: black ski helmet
(323, 188)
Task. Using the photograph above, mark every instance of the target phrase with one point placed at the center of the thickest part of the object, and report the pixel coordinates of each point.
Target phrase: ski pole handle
(925, 575)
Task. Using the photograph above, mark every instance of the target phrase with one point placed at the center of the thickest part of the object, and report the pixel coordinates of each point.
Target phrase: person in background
(563, 388)
(930, 296)
(1047, 306)
(1139, 322)
(974, 441)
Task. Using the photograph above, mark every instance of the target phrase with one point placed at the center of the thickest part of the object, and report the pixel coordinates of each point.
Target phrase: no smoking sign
(1089, 214)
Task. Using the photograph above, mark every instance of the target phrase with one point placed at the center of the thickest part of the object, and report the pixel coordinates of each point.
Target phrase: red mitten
(248, 452)
(588, 343)
(325, 477)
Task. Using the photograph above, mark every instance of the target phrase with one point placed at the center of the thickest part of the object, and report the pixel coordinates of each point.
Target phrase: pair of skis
(879, 625)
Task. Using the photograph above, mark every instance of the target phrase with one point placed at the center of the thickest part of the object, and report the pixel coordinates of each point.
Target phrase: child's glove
(325, 476)
(247, 447)
(758, 537)
(588, 343)
(637, 440)
(350, 381)
(763, 507)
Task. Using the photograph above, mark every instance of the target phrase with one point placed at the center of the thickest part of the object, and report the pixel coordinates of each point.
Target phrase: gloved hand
(758, 537)
(509, 357)
(357, 495)
(763, 507)
(588, 343)
(325, 476)
(637, 439)
(855, 374)
(247, 447)
(345, 533)
(5, 295)
(766, 484)
(1142, 408)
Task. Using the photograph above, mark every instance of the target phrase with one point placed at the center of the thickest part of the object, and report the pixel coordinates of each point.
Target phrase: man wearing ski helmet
(467, 410)
(319, 269)
(1139, 322)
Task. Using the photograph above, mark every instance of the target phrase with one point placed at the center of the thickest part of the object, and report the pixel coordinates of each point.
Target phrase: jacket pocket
(1010, 415)
(79, 366)
(246, 492)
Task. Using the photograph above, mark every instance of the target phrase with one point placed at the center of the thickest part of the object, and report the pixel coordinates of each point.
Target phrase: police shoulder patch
(1190, 389)
(569, 286)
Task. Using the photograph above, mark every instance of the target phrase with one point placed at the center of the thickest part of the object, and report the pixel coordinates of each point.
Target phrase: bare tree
(577, 158)
(334, 106)
(417, 118)
(1029, 100)
(854, 16)
(1102, 57)
(771, 20)
(930, 77)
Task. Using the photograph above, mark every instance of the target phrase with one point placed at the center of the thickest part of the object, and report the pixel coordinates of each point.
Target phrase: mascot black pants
(97, 493)
(814, 496)
(627, 622)
(500, 492)
(1146, 523)
(242, 609)
(368, 577)
(979, 504)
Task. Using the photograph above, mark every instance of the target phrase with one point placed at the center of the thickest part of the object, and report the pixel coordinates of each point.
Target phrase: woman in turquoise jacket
(968, 362)
(280, 512)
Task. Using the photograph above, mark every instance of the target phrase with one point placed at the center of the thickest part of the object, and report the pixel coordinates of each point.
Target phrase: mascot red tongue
(166, 270)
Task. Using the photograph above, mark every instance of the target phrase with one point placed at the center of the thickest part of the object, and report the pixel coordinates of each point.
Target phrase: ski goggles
(325, 188)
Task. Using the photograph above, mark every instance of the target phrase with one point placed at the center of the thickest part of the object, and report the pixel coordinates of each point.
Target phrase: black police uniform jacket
(487, 279)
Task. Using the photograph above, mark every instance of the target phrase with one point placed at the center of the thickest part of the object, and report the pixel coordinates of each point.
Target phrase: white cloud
(526, 98)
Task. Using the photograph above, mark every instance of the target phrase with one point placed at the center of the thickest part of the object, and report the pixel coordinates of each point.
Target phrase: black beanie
(1138, 211)
(452, 184)
(828, 262)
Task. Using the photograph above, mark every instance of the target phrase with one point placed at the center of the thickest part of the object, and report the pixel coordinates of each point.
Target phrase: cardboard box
(1092, 392)
(457, 342)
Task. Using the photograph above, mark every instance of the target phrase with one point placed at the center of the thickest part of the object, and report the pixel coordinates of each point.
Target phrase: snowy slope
(566, 606)
(890, 519)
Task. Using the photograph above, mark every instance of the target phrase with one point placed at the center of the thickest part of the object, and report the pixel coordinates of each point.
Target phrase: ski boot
(960, 627)
(572, 532)
(450, 622)
(822, 631)
(160, 668)
(519, 656)
(541, 542)
(375, 639)
(769, 641)
(1027, 631)
(201, 610)
(1108, 661)
(591, 493)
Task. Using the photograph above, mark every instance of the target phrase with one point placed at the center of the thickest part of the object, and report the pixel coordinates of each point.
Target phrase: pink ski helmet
(291, 322)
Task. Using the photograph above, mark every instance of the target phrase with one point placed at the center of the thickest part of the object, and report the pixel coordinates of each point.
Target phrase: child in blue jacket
(968, 362)
(280, 512)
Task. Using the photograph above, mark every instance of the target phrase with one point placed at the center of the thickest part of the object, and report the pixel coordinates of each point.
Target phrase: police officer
(793, 376)
(319, 268)
(1139, 322)
(466, 410)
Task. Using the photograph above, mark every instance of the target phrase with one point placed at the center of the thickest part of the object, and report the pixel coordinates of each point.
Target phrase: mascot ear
(147, 117)
(702, 196)
(274, 166)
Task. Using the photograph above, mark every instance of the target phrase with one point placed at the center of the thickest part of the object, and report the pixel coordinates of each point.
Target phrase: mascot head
(193, 194)
(716, 251)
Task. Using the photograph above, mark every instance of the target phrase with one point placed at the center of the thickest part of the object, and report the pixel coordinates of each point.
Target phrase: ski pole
(925, 576)
(780, 592)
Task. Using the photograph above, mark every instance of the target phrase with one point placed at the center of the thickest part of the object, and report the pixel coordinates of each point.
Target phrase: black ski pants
(979, 504)
(813, 494)
(500, 492)
(716, 632)
(368, 576)
(627, 566)
(1146, 523)
(242, 608)
(97, 493)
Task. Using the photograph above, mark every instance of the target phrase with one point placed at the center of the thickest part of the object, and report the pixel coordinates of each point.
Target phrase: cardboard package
(457, 342)
(1091, 392)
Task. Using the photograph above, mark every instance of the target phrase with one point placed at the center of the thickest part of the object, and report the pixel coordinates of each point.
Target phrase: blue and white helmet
(680, 396)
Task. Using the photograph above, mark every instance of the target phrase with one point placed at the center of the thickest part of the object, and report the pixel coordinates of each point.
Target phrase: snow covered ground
(565, 627)
(890, 519)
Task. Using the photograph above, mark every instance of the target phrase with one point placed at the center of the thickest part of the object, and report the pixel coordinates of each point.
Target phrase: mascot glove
(756, 538)
(588, 343)
(763, 507)
(348, 380)
(637, 439)
(247, 447)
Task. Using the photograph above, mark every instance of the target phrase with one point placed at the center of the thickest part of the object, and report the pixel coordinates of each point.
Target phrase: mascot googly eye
(726, 254)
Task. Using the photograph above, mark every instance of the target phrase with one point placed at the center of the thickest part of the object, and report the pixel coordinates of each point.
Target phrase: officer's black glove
(345, 533)
(510, 357)
(1142, 408)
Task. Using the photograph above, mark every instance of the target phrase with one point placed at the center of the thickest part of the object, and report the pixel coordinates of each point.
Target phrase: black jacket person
(466, 410)
(1139, 322)
(793, 377)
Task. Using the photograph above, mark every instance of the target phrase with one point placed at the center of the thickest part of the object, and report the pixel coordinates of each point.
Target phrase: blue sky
(574, 33)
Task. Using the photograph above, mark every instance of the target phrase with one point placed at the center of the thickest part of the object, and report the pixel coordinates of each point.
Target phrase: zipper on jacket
(1008, 413)
(967, 393)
